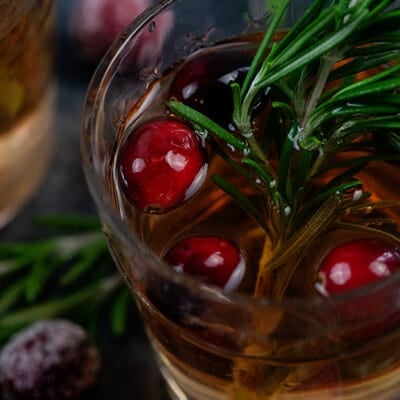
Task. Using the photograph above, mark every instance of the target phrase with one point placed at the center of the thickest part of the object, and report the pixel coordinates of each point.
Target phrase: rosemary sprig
(54, 277)
(334, 78)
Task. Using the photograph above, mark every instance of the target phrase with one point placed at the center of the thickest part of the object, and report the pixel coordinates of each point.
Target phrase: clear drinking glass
(210, 344)
(26, 99)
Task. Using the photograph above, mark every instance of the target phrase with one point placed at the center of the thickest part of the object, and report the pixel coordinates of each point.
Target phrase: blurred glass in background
(27, 92)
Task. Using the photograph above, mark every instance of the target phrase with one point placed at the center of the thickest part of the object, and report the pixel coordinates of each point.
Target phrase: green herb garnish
(326, 107)
(70, 275)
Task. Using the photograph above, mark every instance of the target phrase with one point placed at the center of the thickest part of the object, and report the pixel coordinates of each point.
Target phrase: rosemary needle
(54, 276)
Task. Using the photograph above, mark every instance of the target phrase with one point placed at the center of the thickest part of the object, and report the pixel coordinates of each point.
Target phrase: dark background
(129, 371)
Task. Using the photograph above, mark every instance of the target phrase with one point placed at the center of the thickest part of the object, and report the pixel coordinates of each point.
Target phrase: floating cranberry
(162, 164)
(213, 259)
(204, 83)
(355, 264)
(50, 360)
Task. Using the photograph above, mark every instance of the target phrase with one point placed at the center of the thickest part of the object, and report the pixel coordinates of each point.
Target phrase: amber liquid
(212, 364)
(26, 100)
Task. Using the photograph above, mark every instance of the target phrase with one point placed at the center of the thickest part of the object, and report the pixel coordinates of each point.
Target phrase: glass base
(182, 385)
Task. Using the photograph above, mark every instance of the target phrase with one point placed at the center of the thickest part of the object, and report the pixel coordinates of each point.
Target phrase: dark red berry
(50, 360)
(204, 83)
(162, 164)
(355, 264)
(213, 259)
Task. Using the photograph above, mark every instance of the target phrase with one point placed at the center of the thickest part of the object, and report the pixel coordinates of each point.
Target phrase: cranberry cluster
(164, 163)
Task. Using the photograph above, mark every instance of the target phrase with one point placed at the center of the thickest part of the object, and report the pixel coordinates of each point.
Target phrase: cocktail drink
(244, 158)
(26, 99)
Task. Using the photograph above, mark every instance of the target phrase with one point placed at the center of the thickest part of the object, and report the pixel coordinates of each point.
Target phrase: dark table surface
(129, 371)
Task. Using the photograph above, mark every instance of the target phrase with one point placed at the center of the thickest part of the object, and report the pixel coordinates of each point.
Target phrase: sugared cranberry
(162, 164)
(211, 258)
(204, 83)
(95, 24)
(50, 360)
(355, 264)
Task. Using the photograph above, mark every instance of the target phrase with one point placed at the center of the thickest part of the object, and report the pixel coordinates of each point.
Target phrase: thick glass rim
(96, 91)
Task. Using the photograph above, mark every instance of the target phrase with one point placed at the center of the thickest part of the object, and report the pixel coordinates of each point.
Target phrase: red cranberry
(204, 83)
(352, 265)
(355, 264)
(95, 24)
(50, 360)
(212, 259)
(162, 164)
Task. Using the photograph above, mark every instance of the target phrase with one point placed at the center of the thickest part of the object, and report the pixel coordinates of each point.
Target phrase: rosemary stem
(324, 215)
(317, 164)
(51, 309)
(328, 61)
(280, 9)
(69, 245)
(255, 147)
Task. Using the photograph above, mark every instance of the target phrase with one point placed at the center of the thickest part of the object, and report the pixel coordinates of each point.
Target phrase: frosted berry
(212, 259)
(50, 360)
(357, 263)
(162, 164)
(95, 24)
(204, 83)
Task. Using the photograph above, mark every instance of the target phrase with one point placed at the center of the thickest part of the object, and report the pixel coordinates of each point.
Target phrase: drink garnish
(334, 80)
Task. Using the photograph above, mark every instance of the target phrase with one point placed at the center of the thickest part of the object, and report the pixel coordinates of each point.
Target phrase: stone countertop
(129, 371)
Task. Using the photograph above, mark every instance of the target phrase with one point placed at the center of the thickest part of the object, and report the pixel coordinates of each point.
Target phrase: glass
(26, 99)
(210, 344)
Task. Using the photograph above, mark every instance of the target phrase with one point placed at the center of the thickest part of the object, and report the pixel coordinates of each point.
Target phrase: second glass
(27, 97)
